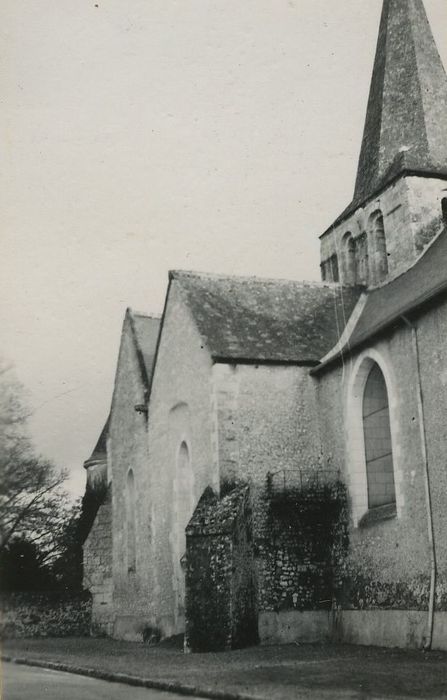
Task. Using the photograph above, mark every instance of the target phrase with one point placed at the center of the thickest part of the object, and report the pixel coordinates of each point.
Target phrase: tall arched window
(131, 522)
(350, 260)
(184, 495)
(362, 259)
(377, 433)
(377, 247)
(183, 510)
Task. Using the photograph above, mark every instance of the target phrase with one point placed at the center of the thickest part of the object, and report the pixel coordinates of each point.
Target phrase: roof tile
(254, 319)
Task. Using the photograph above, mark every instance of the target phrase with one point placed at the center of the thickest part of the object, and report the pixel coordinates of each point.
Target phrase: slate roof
(386, 305)
(406, 121)
(145, 330)
(214, 516)
(265, 320)
(99, 453)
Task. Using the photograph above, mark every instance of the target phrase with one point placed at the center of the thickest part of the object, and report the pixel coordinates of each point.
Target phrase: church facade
(274, 465)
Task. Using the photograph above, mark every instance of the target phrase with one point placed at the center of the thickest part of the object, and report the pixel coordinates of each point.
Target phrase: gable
(135, 360)
(133, 372)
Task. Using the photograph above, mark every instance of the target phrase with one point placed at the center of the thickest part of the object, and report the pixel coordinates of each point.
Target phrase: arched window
(377, 433)
(350, 260)
(378, 251)
(183, 510)
(130, 522)
(334, 269)
(362, 259)
(329, 269)
(184, 495)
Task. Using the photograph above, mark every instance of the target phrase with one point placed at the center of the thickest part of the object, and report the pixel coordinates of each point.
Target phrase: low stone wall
(45, 615)
(406, 629)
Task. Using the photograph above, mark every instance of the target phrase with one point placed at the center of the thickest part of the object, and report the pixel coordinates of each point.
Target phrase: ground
(27, 683)
(275, 673)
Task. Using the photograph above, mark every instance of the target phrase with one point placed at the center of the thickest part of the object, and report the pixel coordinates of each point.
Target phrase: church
(274, 464)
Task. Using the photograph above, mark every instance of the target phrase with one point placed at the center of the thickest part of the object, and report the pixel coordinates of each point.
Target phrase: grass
(277, 673)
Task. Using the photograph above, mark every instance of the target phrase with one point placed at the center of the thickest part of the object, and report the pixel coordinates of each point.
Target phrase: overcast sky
(144, 135)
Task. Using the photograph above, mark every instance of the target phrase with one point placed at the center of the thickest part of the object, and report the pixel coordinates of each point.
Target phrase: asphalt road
(30, 683)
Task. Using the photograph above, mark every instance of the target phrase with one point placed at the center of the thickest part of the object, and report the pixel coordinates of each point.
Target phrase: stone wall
(388, 567)
(98, 569)
(182, 457)
(304, 542)
(128, 450)
(266, 421)
(268, 425)
(45, 615)
(412, 216)
(221, 608)
(432, 334)
(244, 589)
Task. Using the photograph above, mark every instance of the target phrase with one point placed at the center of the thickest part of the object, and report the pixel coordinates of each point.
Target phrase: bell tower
(400, 195)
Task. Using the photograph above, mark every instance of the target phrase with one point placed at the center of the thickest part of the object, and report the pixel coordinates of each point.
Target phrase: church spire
(406, 121)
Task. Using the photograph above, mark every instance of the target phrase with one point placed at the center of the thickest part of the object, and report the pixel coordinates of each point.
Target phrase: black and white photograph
(223, 358)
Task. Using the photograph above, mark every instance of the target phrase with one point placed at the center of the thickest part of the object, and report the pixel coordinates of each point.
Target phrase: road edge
(137, 681)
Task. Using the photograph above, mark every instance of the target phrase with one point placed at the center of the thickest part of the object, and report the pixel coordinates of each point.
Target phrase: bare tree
(33, 506)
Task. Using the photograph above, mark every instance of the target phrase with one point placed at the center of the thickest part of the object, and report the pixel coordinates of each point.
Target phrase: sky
(140, 136)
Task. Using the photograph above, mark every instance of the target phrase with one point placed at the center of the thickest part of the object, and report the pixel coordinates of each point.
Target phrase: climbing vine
(307, 524)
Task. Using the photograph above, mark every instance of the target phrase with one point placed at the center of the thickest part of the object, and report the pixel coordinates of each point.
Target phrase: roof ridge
(178, 274)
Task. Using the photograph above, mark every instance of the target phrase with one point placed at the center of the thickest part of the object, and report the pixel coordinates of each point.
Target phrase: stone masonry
(276, 449)
(220, 574)
(98, 569)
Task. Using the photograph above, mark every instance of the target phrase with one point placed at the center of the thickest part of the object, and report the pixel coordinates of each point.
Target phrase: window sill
(378, 515)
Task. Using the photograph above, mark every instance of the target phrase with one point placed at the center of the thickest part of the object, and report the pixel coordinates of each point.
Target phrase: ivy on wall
(307, 542)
